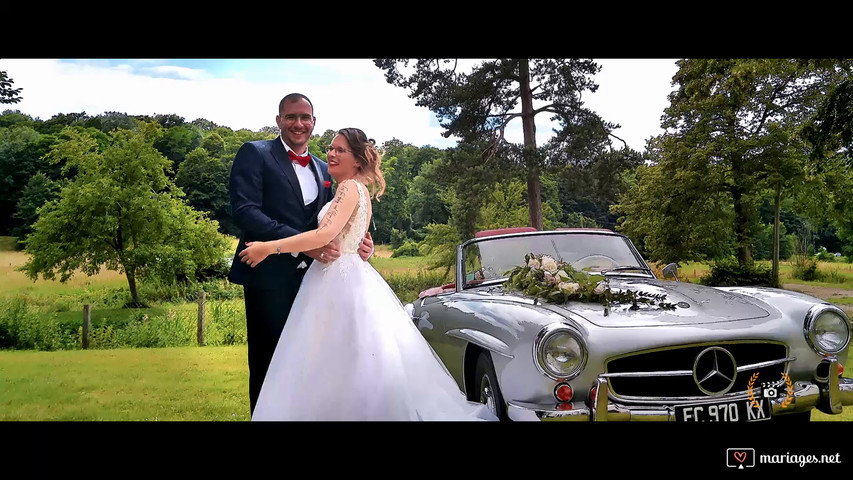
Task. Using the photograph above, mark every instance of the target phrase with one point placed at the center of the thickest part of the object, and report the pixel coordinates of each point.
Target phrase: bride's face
(341, 160)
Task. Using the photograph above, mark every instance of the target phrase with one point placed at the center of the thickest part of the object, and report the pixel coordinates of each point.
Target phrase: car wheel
(486, 383)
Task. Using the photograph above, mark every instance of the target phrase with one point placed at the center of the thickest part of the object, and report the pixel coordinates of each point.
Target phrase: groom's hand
(255, 253)
(326, 254)
(366, 248)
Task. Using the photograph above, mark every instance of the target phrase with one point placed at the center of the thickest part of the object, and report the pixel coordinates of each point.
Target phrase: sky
(244, 93)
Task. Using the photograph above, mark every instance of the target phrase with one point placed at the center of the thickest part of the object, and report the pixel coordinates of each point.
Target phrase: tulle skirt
(349, 351)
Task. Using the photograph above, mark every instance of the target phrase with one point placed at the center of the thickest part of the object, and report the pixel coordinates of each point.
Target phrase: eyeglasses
(338, 150)
(290, 118)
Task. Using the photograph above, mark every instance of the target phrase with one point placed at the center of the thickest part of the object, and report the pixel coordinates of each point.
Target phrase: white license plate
(725, 412)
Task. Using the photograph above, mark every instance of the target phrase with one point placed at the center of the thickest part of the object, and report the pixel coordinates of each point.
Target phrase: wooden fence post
(87, 325)
(202, 297)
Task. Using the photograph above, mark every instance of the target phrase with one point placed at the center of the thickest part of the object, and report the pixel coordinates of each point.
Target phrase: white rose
(533, 263)
(549, 264)
(568, 288)
(600, 289)
(561, 274)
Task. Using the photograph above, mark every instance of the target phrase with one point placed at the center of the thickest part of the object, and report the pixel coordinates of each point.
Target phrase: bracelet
(278, 250)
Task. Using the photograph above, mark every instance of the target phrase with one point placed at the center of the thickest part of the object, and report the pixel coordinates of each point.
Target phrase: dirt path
(826, 293)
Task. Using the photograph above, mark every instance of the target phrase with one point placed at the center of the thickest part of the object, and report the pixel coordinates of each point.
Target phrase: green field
(157, 384)
(172, 383)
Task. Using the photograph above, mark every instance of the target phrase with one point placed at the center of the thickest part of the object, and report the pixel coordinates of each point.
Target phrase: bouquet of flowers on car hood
(556, 281)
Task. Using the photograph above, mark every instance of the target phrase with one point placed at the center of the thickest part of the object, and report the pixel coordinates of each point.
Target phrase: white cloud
(632, 93)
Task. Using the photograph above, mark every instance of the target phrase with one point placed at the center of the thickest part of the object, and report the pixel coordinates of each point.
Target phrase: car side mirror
(671, 271)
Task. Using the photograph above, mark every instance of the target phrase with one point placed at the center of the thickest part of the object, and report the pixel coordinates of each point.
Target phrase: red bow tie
(298, 159)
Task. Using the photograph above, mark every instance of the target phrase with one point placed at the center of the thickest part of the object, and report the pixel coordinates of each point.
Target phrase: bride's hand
(255, 253)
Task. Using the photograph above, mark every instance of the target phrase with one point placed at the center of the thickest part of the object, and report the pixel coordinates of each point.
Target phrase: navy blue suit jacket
(267, 204)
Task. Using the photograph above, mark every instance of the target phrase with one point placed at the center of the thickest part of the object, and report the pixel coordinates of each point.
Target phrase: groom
(277, 189)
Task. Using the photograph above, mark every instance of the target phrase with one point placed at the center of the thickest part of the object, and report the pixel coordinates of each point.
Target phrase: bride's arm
(344, 203)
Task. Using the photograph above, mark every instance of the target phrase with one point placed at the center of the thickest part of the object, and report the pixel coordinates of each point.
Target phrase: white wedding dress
(349, 351)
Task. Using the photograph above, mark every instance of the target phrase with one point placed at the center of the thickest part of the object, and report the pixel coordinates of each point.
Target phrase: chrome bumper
(828, 397)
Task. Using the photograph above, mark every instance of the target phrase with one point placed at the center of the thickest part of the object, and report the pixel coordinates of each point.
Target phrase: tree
(21, 157)
(214, 144)
(204, 124)
(7, 93)
(204, 180)
(478, 107)
(39, 190)
(121, 212)
(729, 137)
(176, 141)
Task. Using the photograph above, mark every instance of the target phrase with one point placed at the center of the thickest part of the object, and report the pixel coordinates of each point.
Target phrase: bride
(349, 350)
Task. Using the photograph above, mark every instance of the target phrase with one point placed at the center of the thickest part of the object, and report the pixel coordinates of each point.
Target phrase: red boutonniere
(327, 184)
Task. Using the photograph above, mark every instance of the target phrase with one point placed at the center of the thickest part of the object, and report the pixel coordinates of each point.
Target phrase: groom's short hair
(293, 97)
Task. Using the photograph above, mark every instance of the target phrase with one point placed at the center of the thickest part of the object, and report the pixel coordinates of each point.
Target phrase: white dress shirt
(307, 180)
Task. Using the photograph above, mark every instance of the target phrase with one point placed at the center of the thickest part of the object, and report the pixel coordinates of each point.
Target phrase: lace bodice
(350, 237)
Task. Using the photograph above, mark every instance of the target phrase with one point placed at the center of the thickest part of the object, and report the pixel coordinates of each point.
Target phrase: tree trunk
(742, 213)
(775, 271)
(534, 193)
(131, 281)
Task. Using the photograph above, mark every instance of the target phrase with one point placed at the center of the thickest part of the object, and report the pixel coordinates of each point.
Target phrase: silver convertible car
(703, 354)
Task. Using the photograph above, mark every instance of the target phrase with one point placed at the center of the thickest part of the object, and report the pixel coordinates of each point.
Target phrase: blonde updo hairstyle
(364, 150)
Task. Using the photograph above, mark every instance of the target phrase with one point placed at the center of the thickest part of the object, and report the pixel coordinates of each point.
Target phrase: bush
(398, 238)
(226, 324)
(806, 269)
(729, 273)
(22, 328)
(407, 249)
(170, 330)
(835, 276)
(825, 256)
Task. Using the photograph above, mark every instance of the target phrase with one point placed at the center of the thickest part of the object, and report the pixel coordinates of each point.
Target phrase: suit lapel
(283, 160)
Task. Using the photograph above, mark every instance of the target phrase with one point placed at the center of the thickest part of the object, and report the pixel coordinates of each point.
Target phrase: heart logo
(740, 456)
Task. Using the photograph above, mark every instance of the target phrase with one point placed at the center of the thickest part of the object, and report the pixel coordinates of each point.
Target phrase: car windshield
(491, 259)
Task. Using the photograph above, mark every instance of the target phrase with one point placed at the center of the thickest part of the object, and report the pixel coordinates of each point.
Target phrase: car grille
(683, 359)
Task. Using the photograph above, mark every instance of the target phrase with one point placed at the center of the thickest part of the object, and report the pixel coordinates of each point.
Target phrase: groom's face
(296, 121)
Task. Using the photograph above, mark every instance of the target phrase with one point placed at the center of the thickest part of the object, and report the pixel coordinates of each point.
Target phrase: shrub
(729, 273)
(835, 276)
(806, 269)
(170, 330)
(407, 249)
(824, 255)
(22, 328)
(225, 324)
(397, 238)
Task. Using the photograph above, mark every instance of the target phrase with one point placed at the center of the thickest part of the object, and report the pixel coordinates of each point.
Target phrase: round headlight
(560, 352)
(827, 329)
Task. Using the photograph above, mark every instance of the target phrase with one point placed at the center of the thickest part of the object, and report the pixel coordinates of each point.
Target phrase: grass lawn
(169, 384)
(158, 384)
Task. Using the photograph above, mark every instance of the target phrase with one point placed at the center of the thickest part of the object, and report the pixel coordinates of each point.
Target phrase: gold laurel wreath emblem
(751, 393)
(789, 396)
(789, 390)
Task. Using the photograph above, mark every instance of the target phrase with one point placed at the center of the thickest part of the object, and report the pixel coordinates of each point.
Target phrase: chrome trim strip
(700, 344)
(768, 363)
(682, 373)
(671, 373)
(523, 411)
(482, 340)
(599, 406)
